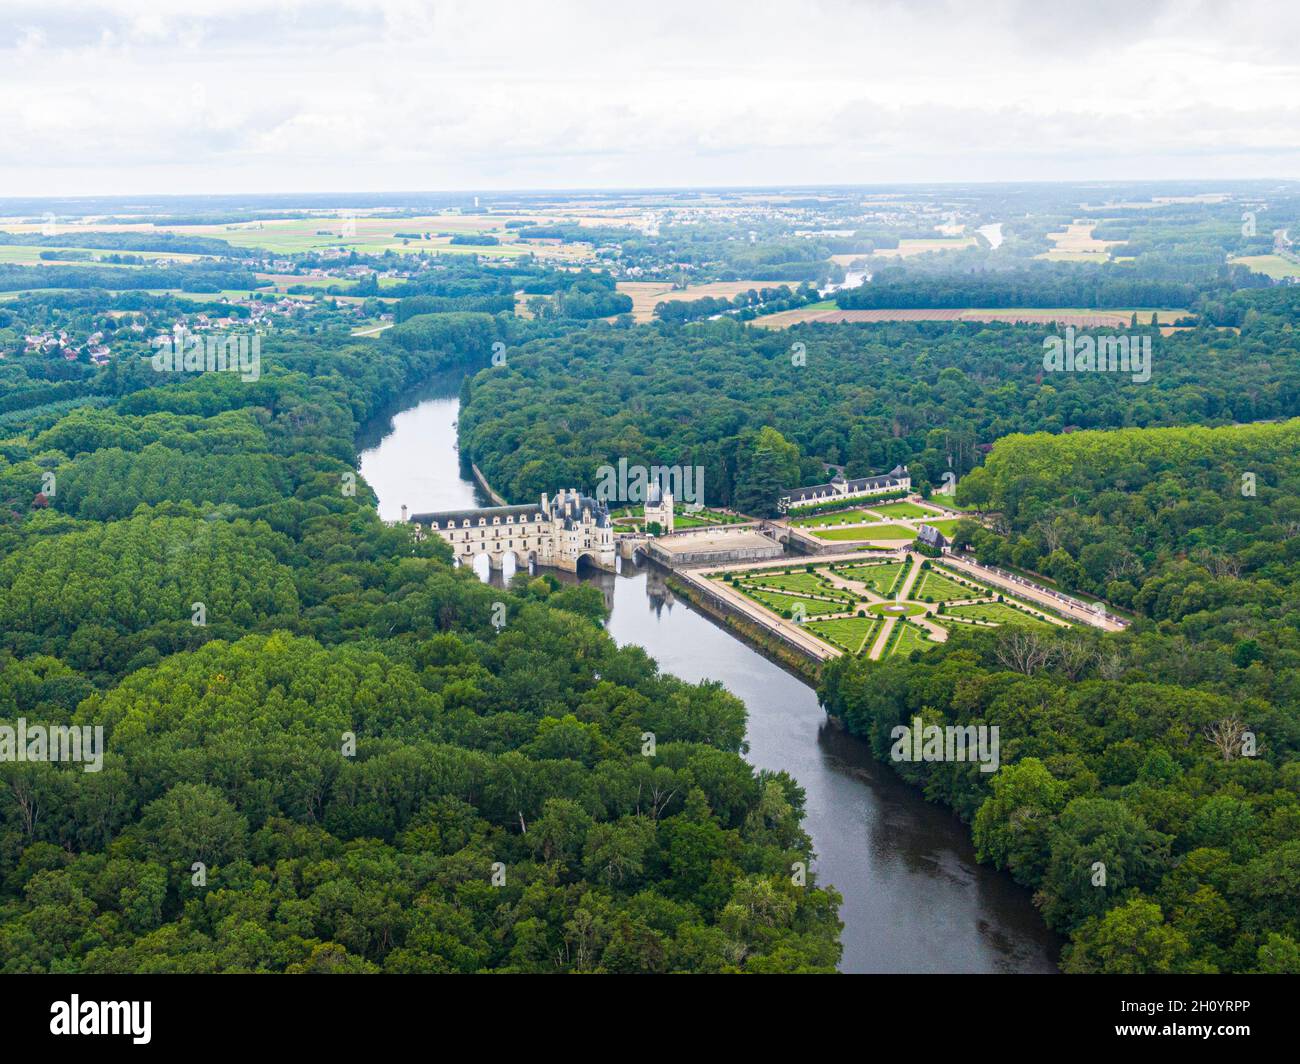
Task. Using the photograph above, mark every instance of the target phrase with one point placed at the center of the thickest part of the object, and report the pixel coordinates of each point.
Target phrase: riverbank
(488, 490)
(915, 899)
(761, 639)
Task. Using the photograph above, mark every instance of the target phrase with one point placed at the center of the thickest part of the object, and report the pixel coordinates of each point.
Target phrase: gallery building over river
(559, 532)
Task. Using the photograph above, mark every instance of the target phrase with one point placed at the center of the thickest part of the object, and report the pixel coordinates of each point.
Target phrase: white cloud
(264, 95)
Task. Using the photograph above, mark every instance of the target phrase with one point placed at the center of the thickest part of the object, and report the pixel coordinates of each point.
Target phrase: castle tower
(659, 508)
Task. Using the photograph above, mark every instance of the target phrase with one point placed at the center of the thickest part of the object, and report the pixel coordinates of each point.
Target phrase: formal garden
(880, 608)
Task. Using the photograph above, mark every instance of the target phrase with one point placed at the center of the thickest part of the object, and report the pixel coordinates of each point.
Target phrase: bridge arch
(515, 560)
(590, 557)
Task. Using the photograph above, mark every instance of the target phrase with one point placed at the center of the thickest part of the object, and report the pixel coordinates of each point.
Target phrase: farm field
(30, 255)
(1274, 266)
(1077, 244)
(375, 233)
(909, 247)
(646, 295)
(1079, 317)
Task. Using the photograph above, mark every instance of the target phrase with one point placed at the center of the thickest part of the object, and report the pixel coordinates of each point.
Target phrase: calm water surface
(914, 898)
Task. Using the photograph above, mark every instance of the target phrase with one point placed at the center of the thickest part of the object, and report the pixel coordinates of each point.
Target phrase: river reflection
(409, 456)
(914, 898)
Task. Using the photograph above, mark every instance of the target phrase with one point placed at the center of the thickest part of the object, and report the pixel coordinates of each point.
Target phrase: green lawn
(880, 578)
(812, 607)
(939, 588)
(946, 525)
(895, 609)
(995, 612)
(701, 518)
(901, 509)
(874, 533)
(911, 637)
(1274, 266)
(809, 583)
(842, 517)
(854, 634)
(30, 255)
(682, 519)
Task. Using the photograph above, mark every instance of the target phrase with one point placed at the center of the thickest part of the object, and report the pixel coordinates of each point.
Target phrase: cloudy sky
(156, 96)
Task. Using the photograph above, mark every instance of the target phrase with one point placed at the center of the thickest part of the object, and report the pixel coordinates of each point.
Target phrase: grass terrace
(902, 509)
(873, 533)
(839, 517)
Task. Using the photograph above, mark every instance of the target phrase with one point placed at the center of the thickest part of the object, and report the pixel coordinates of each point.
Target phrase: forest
(1167, 753)
(933, 396)
(327, 750)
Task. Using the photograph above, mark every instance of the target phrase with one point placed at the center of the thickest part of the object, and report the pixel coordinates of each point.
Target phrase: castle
(557, 532)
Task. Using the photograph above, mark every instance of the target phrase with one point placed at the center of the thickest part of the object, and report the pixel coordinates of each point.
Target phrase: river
(852, 279)
(914, 898)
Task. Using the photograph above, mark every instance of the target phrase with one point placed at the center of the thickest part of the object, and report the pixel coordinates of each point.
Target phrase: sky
(115, 97)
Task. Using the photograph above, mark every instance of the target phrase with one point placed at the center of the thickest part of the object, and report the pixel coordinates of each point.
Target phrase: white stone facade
(559, 532)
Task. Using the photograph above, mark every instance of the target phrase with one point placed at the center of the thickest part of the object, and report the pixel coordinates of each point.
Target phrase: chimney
(403, 513)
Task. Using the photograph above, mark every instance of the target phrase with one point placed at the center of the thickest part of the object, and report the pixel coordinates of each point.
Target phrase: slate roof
(533, 511)
(839, 486)
(569, 514)
(571, 511)
(931, 536)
